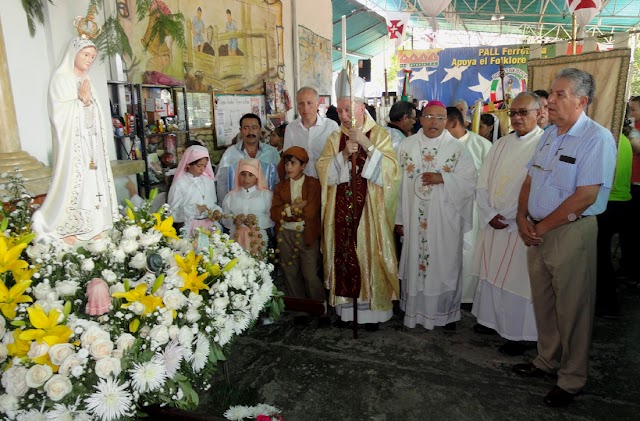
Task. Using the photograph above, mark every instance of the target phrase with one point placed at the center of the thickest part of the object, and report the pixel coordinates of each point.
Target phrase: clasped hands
(431, 178)
(528, 233)
(84, 92)
(355, 140)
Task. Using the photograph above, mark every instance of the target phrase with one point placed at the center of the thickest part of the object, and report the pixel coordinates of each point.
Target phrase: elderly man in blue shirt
(568, 183)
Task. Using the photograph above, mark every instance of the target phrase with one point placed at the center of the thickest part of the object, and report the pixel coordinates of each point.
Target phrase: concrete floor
(393, 374)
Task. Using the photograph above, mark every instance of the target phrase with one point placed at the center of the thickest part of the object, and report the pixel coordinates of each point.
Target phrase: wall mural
(315, 60)
(231, 45)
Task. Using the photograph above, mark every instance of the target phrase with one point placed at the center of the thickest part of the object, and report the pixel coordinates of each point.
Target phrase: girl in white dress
(246, 207)
(192, 197)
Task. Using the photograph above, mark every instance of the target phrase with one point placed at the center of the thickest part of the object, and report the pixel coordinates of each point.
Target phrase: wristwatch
(370, 148)
(572, 217)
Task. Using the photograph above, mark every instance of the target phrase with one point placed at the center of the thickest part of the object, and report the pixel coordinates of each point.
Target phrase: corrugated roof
(366, 27)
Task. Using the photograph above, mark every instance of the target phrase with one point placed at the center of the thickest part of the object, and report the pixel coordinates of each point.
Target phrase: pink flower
(263, 418)
(98, 296)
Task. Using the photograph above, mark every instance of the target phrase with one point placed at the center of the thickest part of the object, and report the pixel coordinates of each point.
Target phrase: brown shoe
(559, 397)
(529, 370)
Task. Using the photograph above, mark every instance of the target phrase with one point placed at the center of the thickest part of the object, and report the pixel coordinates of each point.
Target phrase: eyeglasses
(436, 117)
(521, 113)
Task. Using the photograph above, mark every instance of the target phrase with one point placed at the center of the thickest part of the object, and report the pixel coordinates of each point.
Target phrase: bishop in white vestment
(435, 210)
(503, 296)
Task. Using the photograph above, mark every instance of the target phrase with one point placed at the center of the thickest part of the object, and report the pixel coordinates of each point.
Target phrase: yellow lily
(24, 274)
(139, 294)
(230, 265)
(130, 214)
(189, 263)
(10, 254)
(214, 270)
(165, 227)
(194, 282)
(10, 298)
(19, 348)
(47, 328)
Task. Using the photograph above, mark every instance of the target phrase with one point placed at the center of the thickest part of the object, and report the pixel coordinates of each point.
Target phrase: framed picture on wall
(324, 101)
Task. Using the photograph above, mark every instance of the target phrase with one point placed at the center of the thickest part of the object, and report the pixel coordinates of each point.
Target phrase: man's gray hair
(309, 88)
(583, 82)
(460, 101)
(534, 98)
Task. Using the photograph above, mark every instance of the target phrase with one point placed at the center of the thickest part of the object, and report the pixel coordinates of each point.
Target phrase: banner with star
(397, 26)
(468, 73)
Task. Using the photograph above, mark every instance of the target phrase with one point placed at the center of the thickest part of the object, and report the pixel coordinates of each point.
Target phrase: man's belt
(537, 221)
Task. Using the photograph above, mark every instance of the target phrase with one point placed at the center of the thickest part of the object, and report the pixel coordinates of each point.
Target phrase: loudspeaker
(364, 69)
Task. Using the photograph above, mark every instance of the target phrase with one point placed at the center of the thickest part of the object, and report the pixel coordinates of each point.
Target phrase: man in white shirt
(309, 131)
(402, 117)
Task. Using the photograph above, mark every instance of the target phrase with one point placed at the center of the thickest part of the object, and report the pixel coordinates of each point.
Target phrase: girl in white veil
(81, 202)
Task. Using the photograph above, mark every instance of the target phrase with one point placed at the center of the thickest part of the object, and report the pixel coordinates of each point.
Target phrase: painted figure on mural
(232, 26)
(157, 45)
(81, 202)
(197, 30)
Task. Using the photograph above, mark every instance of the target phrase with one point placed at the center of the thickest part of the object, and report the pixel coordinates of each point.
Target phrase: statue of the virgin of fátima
(81, 202)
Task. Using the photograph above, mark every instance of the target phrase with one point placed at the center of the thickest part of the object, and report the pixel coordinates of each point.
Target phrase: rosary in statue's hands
(84, 92)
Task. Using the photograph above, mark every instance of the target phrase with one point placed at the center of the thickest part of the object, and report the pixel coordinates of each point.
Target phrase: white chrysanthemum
(32, 415)
(60, 412)
(238, 413)
(148, 376)
(172, 357)
(200, 354)
(264, 409)
(111, 401)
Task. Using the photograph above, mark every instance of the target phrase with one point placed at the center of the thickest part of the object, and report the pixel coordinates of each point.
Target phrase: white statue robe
(186, 194)
(478, 147)
(248, 201)
(81, 201)
(503, 295)
(431, 259)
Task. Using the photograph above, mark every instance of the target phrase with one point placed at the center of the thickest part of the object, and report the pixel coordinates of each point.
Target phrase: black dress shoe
(450, 326)
(559, 397)
(483, 330)
(529, 370)
(513, 348)
(371, 327)
(341, 324)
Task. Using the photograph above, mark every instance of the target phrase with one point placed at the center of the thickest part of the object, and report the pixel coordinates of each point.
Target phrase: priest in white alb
(503, 296)
(434, 212)
(478, 147)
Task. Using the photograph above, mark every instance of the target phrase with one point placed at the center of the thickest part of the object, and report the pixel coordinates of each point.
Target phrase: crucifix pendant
(92, 165)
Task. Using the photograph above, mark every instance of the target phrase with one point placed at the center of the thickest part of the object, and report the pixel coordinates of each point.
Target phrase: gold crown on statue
(86, 26)
(343, 88)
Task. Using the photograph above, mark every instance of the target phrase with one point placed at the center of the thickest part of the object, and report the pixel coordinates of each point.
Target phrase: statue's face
(84, 59)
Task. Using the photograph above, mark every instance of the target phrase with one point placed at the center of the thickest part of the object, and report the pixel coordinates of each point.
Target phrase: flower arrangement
(260, 412)
(136, 318)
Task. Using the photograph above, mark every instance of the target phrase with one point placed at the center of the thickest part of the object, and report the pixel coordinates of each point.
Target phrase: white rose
(221, 303)
(193, 315)
(87, 265)
(150, 238)
(125, 341)
(129, 246)
(118, 354)
(66, 288)
(13, 381)
(139, 261)
(166, 253)
(109, 276)
(119, 287)
(59, 352)
(91, 334)
(36, 350)
(186, 337)
(3, 326)
(3, 352)
(166, 318)
(174, 299)
(41, 290)
(174, 331)
(101, 348)
(8, 403)
(108, 366)
(131, 232)
(37, 250)
(38, 374)
(195, 299)
(69, 363)
(98, 246)
(58, 387)
(159, 334)
(136, 308)
(77, 371)
(119, 255)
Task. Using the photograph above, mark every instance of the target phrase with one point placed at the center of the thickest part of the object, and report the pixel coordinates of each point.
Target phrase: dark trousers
(632, 235)
(614, 220)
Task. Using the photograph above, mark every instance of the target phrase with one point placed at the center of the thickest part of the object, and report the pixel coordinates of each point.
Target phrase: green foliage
(164, 25)
(33, 9)
(634, 85)
(113, 40)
